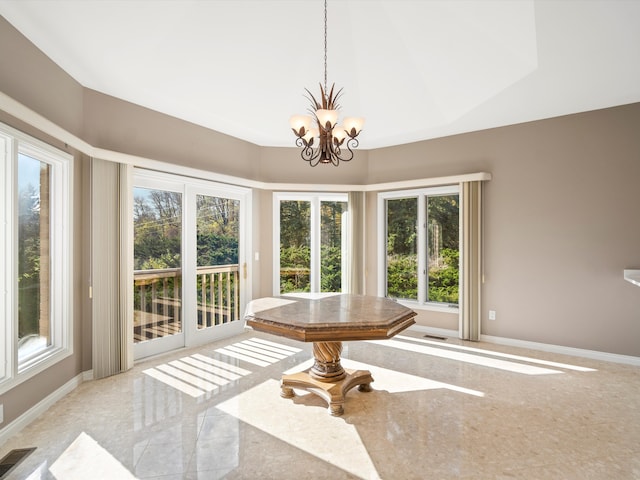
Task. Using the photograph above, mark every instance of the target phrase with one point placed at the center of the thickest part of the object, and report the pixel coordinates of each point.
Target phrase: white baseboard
(576, 352)
(543, 347)
(34, 412)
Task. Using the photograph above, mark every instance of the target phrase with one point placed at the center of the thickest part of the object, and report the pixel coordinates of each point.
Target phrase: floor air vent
(12, 459)
(435, 337)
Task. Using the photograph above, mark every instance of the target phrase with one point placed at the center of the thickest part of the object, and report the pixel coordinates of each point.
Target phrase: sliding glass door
(190, 274)
(158, 265)
(218, 268)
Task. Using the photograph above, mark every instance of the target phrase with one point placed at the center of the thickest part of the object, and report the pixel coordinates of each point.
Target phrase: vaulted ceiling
(414, 69)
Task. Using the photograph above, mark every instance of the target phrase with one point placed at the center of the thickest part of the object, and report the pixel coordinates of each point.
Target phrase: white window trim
(315, 199)
(420, 193)
(14, 142)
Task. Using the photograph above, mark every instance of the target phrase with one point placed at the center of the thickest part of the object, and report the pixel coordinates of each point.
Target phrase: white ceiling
(414, 69)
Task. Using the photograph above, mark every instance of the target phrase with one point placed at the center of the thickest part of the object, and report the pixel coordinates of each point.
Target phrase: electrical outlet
(1, 413)
(492, 314)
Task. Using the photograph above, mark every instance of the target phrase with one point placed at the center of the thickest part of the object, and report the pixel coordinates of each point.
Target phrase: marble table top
(341, 317)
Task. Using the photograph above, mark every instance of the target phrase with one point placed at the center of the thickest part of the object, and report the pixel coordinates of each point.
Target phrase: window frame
(315, 242)
(421, 195)
(13, 143)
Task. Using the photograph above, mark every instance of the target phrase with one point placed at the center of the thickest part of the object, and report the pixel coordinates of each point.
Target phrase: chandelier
(321, 138)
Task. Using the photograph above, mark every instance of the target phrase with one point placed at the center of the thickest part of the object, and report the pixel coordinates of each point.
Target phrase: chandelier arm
(351, 143)
(311, 155)
(316, 160)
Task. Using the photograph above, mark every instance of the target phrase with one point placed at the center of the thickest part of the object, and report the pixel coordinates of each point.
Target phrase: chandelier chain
(325, 46)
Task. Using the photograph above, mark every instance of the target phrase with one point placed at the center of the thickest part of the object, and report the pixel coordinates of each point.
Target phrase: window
(157, 263)
(420, 245)
(36, 249)
(309, 242)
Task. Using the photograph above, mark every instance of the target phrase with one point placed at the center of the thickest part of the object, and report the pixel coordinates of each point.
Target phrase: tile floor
(438, 410)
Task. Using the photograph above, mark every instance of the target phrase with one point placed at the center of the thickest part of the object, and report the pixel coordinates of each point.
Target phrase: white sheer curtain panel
(471, 260)
(111, 267)
(355, 243)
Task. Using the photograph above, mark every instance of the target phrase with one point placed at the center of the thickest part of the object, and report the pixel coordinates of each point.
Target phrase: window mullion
(277, 201)
(315, 244)
(8, 339)
(422, 249)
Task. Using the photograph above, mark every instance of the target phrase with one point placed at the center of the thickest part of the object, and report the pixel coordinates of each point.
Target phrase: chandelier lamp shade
(319, 135)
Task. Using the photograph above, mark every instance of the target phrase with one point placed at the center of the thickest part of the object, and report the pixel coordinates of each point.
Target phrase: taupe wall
(263, 217)
(121, 126)
(29, 77)
(561, 223)
(561, 210)
(284, 165)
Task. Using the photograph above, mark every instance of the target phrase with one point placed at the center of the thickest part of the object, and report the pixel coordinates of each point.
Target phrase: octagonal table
(327, 321)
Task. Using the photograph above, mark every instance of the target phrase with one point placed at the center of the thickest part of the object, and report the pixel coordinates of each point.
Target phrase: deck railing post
(160, 315)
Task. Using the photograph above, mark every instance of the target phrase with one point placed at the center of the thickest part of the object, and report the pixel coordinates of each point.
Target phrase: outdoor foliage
(402, 279)
(295, 246)
(158, 243)
(330, 269)
(157, 220)
(158, 230)
(442, 248)
(294, 269)
(443, 281)
(218, 229)
(28, 261)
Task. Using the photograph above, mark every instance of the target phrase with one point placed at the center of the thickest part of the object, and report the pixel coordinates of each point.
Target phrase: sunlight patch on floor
(393, 381)
(198, 374)
(308, 428)
(258, 352)
(174, 382)
(466, 357)
(491, 353)
(39, 473)
(84, 459)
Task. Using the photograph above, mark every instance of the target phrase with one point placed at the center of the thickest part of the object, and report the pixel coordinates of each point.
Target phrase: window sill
(429, 307)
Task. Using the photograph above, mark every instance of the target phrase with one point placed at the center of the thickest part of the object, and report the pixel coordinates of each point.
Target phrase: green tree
(295, 246)
(218, 230)
(157, 219)
(402, 237)
(331, 245)
(28, 260)
(443, 281)
(443, 210)
(295, 221)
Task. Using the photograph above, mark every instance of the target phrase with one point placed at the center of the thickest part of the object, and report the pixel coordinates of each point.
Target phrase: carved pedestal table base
(327, 320)
(327, 378)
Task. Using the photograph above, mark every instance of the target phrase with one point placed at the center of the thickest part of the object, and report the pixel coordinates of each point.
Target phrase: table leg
(327, 378)
(327, 367)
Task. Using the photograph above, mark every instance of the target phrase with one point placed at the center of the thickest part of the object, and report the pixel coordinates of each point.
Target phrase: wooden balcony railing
(218, 295)
(158, 302)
